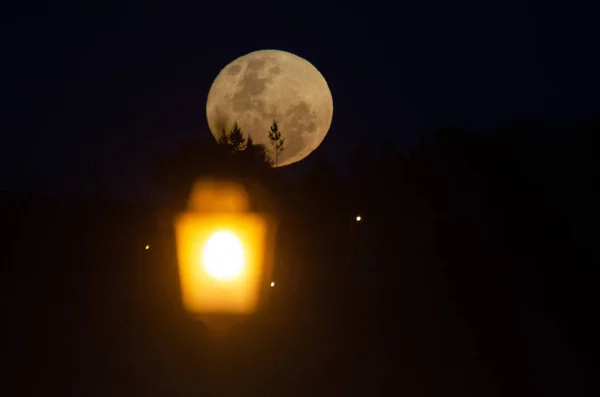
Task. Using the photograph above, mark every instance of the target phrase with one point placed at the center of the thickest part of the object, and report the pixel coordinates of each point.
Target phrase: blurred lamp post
(224, 252)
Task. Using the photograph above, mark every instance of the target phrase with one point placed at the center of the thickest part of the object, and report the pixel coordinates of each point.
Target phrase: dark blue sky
(128, 82)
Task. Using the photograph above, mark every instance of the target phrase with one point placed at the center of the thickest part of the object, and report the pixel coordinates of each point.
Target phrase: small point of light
(147, 247)
(272, 283)
(358, 218)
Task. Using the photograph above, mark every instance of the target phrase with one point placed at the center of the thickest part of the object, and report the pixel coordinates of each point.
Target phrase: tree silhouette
(276, 140)
(245, 149)
(175, 171)
(223, 138)
(257, 152)
(234, 140)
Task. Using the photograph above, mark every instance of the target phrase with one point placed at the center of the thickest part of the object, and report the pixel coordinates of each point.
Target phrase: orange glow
(213, 196)
(223, 251)
(147, 247)
(219, 259)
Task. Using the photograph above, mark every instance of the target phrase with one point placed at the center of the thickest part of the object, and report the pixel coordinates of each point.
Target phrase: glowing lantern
(224, 252)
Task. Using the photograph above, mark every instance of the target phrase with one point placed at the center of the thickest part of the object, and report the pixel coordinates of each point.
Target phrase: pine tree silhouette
(276, 140)
(234, 140)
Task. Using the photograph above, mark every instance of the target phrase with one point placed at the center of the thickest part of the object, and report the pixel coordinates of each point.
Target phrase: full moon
(268, 85)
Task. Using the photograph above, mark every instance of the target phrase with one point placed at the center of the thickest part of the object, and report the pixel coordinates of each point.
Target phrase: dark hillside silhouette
(471, 271)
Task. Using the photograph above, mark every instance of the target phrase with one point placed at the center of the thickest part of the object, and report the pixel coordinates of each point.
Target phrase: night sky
(128, 82)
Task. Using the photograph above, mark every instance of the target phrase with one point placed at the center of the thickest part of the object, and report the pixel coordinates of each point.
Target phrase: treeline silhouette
(471, 271)
(494, 228)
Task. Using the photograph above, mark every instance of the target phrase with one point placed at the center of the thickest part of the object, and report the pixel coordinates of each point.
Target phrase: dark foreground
(80, 320)
(104, 337)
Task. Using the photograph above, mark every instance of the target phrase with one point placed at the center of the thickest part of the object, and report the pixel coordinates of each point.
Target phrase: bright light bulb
(147, 247)
(223, 256)
(358, 218)
(272, 283)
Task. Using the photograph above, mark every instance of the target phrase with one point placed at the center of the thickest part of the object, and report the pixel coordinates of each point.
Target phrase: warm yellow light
(224, 251)
(223, 256)
(358, 218)
(147, 247)
(221, 260)
(272, 283)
